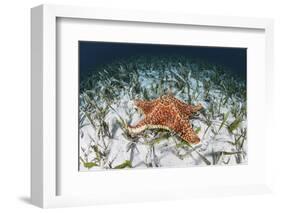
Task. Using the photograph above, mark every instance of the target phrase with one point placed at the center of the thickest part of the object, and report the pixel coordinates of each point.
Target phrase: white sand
(166, 153)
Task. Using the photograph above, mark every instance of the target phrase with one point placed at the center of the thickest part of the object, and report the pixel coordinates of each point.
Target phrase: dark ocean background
(94, 54)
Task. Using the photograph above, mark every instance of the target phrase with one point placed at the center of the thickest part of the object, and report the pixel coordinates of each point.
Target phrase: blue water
(95, 54)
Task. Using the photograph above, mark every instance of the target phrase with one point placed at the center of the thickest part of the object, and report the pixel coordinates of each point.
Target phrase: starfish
(167, 112)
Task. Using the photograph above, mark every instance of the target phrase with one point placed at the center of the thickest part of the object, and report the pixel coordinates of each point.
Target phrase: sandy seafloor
(106, 100)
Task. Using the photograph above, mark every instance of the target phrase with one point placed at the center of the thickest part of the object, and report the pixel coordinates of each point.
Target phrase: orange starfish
(168, 113)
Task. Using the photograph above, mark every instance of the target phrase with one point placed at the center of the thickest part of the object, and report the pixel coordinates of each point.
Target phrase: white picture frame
(44, 155)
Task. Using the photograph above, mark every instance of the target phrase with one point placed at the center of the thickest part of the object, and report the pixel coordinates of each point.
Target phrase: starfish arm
(160, 117)
(184, 129)
(146, 106)
(138, 128)
(197, 108)
(183, 108)
(188, 134)
(187, 110)
(146, 123)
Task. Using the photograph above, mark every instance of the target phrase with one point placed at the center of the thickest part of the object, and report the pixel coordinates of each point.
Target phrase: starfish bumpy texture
(167, 112)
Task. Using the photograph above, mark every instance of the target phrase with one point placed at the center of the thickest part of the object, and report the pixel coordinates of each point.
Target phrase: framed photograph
(129, 106)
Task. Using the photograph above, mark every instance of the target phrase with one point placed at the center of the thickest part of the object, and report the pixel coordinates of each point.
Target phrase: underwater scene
(150, 105)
